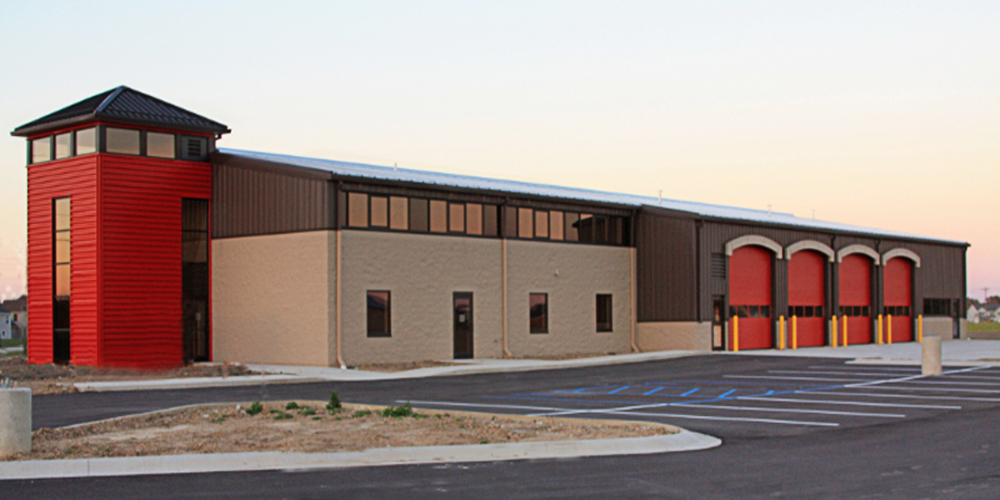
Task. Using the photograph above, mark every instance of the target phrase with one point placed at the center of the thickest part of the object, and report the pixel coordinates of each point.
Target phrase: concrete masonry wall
(572, 275)
(674, 335)
(421, 272)
(271, 298)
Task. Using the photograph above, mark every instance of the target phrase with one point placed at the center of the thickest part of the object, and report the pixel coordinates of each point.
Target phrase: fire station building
(148, 246)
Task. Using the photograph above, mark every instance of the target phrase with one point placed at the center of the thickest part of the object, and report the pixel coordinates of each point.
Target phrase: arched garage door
(806, 285)
(855, 299)
(750, 296)
(899, 298)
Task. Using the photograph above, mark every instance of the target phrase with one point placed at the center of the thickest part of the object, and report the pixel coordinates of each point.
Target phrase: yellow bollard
(833, 330)
(888, 330)
(781, 332)
(736, 334)
(879, 329)
(795, 332)
(845, 331)
(920, 328)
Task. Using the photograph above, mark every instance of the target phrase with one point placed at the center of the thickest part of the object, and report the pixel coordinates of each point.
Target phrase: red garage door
(750, 296)
(899, 298)
(856, 299)
(806, 278)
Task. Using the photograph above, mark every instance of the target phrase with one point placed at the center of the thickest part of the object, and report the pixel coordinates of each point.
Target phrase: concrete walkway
(953, 352)
(275, 374)
(230, 462)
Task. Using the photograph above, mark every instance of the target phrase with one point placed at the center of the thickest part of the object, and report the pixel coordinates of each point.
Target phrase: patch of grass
(282, 415)
(983, 327)
(292, 405)
(307, 412)
(361, 413)
(484, 442)
(254, 408)
(5, 343)
(220, 419)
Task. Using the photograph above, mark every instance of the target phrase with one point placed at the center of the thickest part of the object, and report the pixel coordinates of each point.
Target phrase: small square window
(525, 223)
(456, 217)
(160, 145)
(86, 141)
(64, 144)
(474, 218)
(122, 141)
(379, 313)
(742, 312)
(41, 150)
(809, 311)
(819, 311)
(439, 216)
(357, 209)
(754, 311)
(541, 224)
(572, 226)
(539, 312)
(765, 311)
(380, 211)
(604, 311)
(556, 222)
(418, 215)
(398, 213)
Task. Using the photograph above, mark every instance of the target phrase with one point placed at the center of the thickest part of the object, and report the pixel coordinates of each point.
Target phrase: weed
(461, 426)
(220, 419)
(291, 405)
(398, 411)
(283, 416)
(307, 412)
(321, 418)
(334, 404)
(437, 415)
(360, 413)
(484, 442)
(254, 408)
(275, 412)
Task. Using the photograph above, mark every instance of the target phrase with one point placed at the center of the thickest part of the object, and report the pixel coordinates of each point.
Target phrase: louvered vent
(719, 266)
(194, 148)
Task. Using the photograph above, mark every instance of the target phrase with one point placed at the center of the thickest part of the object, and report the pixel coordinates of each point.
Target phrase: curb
(190, 383)
(242, 462)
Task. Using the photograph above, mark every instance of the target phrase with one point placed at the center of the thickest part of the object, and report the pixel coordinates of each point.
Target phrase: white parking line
(869, 367)
(911, 388)
(793, 410)
(902, 396)
(953, 382)
(850, 403)
(775, 377)
(814, 372)
(616, 411)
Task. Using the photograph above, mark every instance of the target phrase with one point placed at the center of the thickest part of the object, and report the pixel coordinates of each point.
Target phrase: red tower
(119, 190)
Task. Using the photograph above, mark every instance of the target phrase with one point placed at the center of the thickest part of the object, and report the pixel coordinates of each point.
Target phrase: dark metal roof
(126, 106)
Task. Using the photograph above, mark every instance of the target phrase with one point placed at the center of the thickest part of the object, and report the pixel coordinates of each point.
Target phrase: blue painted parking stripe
(688, 393)
(620, 389)
(654, 391)
(723, 395)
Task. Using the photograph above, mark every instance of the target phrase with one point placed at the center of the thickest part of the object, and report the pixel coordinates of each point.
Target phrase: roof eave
(30, 130)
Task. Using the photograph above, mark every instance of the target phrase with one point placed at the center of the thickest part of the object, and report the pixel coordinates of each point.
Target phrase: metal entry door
(463, 324)
(718, 322)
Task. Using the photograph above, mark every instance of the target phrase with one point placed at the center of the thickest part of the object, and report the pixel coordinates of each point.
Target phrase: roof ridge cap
(107, 100)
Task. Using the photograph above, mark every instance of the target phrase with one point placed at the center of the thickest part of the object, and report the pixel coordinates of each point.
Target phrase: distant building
(6, 323)
(148, 246)
(972, 315)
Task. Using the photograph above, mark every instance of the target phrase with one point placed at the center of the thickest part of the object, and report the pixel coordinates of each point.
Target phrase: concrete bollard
(931, 364)
(15, 421)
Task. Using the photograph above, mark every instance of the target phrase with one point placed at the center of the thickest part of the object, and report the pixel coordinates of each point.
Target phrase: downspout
(632, 300)
(503, 270)
(340, 233)
(340, 359)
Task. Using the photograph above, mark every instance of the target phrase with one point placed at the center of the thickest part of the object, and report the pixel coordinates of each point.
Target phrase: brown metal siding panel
(666, 269)
(250, 201)
(940, 275)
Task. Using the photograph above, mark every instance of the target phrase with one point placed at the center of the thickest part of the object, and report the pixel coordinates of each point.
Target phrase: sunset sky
(881, 114)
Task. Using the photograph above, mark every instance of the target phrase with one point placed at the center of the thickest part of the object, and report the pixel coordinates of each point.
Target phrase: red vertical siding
(76, 178)
(806, 279)
(141, 269)
(899, 292)
(750, 284)
(856, 290)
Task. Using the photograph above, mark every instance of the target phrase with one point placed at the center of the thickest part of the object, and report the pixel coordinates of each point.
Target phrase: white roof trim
(753, 239)
(858, 248)
(810, 245)
(901, 252)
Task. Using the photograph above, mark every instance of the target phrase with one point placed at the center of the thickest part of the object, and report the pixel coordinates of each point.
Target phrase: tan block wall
(938, 327)
(421, 272)
(270, 298)
(583, 272)
(674, 335)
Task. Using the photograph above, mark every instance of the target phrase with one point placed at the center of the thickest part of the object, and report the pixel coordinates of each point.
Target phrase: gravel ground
(309, 427)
